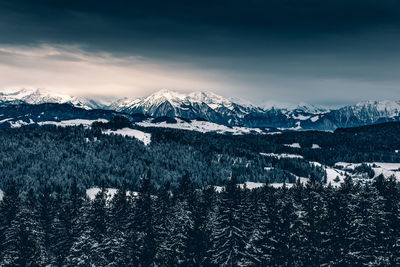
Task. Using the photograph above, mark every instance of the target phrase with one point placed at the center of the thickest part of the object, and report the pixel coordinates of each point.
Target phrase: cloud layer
(70, 69)
(330, 52)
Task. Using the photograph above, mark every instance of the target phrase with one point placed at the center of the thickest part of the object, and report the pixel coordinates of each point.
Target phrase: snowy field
(294, 145)
(283, 155)
(75, 122)
(92, 192)
(65, 123)
(141, 136)
(201, 126)
(254, 185)
(387, 169)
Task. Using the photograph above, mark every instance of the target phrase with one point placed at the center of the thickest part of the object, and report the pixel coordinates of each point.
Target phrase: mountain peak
(166, 95)
(380, 104)
(40, 96)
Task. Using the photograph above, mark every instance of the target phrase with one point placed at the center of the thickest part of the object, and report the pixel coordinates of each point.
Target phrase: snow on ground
(279, 185)
(294, 145)
(387, 166)
(279, 156)
(332, 174)
(19, 123)
(301, 117)
(219, 189)
(201, 126)
(289, 185)
(65, 123)
(315, 146)
(273, 133)
(1, 121)
(387, 169)
(1, 194)
(314, 119)
(251, 185)
(295, 128)
(74, 122)
(141, 136)
(92, 192)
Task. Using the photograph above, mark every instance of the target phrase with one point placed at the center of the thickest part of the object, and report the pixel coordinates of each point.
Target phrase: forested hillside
(53, 156)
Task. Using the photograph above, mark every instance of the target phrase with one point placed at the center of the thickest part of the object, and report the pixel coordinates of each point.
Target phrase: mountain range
(217, 109)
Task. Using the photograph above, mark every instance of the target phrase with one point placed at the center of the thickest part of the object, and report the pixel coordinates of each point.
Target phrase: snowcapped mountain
(372, 110)
(40, 96)
(206, 105)
(367, 112)
(363, 113)
(225, 111)
(300, 107)
(236, 112)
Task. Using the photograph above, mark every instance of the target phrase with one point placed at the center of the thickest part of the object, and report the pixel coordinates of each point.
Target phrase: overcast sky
(328, 52)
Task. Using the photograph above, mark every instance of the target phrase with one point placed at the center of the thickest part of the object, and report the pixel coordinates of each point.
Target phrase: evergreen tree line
(304, 225)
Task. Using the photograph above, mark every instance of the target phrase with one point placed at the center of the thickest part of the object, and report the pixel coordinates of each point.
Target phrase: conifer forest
(182, 200)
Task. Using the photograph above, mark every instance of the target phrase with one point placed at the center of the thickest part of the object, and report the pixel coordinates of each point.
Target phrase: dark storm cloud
(278, 48)
(189, 24)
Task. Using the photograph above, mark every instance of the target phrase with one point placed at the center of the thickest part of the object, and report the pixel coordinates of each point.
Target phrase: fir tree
(229, 238)
(23, 243)
(9, 208)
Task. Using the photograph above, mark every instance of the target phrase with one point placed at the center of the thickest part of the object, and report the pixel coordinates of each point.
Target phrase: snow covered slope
(75, 122)
(200, 126)
(141, 136)
(206, 105)
(387, 169)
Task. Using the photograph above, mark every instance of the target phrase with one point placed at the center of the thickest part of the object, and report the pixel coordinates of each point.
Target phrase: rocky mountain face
(220, 110)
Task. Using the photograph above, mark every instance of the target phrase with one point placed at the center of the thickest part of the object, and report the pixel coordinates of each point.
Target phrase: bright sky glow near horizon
(329, 53)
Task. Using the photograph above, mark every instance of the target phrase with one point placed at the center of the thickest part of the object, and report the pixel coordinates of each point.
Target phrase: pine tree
(72, 213)
(9, 208)
(366, 217)
(85, 250)
(114, 243)
(391, 197)
(46, 218)
(23, 243)
(262, 244)
(97, 219)
(313, 224)
(141, 236)
(285, 243)
(162, 216)
(176, 243)
(344, 208)
(199, 235)
(229, 238)
(61, 239)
